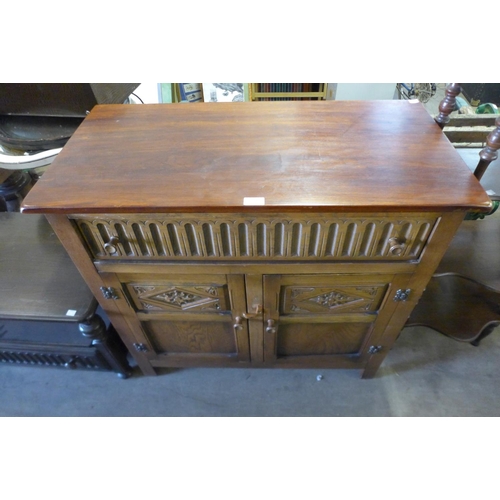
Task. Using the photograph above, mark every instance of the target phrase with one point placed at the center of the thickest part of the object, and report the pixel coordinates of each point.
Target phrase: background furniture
(480, 93)
(36, 121)
(284, 91)
(289, 235)
(47, 312)
(462, 300)
(14, 186)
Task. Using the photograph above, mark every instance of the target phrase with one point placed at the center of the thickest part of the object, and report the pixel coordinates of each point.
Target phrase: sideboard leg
(372, 365)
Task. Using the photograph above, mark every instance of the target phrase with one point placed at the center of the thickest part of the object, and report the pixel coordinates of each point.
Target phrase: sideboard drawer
(279, 237)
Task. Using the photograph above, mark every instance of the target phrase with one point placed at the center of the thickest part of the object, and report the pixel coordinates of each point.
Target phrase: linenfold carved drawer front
(257, 237)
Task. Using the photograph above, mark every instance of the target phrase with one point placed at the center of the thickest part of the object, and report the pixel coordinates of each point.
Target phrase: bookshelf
(287, 91)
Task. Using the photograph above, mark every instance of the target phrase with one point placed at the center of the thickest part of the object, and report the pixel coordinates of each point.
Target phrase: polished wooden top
(289, 155)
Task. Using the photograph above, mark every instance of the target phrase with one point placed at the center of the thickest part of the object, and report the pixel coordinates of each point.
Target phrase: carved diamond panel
(178, 298)
(331, 300)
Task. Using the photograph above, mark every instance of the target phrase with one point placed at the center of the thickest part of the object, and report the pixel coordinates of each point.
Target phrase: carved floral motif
(333, 299)
(157, 297)
(315, 299)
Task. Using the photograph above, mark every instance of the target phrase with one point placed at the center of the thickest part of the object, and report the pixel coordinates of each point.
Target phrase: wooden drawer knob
(111, 246)
(397, 246)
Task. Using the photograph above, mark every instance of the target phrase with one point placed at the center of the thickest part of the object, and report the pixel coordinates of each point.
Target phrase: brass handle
(256, 314)
(270, 326)
(238, 323)
(111, 245)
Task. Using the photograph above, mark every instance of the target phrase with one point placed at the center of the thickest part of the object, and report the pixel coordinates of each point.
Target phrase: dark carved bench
(47, 313)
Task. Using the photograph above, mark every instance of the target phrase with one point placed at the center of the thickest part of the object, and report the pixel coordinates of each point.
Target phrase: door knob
(238, 323)
(270, 326)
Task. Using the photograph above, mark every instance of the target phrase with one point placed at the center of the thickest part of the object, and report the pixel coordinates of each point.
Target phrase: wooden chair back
(490, 152)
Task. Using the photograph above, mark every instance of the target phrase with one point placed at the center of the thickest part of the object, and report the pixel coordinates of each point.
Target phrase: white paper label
(254, 201)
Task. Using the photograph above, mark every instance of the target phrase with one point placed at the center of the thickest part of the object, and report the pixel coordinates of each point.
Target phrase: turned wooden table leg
(94, 328)
(448, 104)
(490, 152)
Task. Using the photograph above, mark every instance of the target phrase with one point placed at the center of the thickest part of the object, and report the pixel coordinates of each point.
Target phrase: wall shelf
(287, 91)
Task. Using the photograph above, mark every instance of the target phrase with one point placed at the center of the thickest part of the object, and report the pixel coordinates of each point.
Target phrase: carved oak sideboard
(270, 234)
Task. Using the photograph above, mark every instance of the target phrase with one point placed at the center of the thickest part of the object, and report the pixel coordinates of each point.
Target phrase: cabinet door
(185, 320)
(325, 320)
